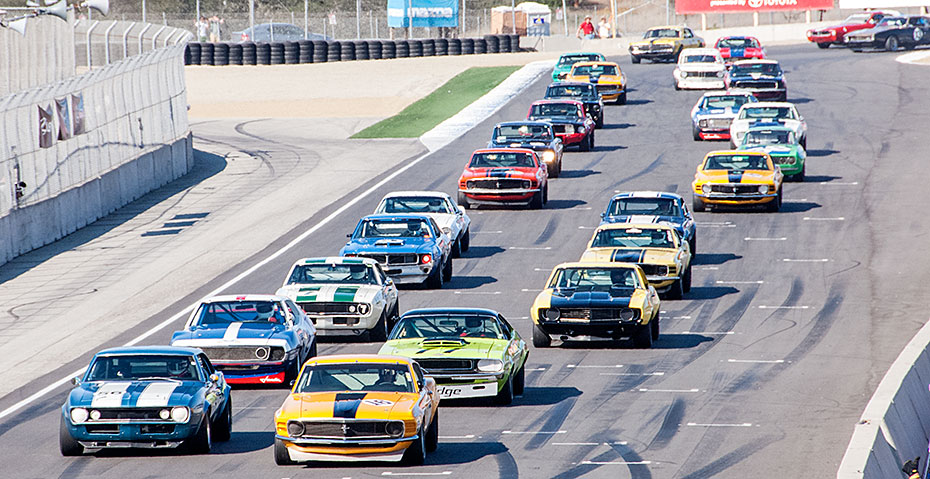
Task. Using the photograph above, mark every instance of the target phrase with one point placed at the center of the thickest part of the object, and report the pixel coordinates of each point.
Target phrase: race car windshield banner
(423, 13)
(683, 7)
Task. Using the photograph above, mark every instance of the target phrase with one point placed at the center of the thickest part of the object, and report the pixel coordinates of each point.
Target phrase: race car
(606, 76)
(410, 248)
(360, 407)
(564, 65)
(664, 43)
(653, 207)
(781, 143)
(892, 34)
(504, 176)
(470, 352)
(825, 37)
(737, 178)
(768, 112)
(538, 136)
(146, 397)
(736, 48)
(763, 78)
(584, 92)
(438, 206)
(343, 296)
(252, 339)
(714, 112)
(569, 120)
(596, 301)
(699, 69)
(656, 248)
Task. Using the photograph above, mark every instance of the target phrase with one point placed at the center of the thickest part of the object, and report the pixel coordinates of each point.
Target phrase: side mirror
(420, 384)
(215, 377)
(389, 282)
(76, 380)
(603, 215)
(447, 230)
(349, 235)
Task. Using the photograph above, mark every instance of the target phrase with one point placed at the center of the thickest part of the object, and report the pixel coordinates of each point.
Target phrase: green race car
(564, 66)
(781, 143)
(470, 352)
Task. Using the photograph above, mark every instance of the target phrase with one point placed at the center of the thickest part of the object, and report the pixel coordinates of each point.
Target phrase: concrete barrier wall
(136, 138)
(43, 55)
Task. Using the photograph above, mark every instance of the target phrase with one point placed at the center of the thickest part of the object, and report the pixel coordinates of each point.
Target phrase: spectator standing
(216, 24)
(203, 29)
(603, 28)
(586, 29)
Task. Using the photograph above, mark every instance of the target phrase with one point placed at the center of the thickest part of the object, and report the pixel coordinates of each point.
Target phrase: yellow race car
(606, 76)
(655, 247)
(664, 43)
(360, 407)
(729, 178)
(592, 301)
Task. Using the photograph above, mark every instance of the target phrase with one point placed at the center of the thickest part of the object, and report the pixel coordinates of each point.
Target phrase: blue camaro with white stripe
(653, 207)
(146, 397)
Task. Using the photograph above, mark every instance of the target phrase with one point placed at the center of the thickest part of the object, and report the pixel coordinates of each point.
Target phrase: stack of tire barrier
(317, 51)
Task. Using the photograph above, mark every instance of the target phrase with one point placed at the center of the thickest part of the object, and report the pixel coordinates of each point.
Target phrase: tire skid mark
(648, 169)
(549, 230)
(637, 471)
(507, 465)
(556, 417)
(670, 424)
(731, 458)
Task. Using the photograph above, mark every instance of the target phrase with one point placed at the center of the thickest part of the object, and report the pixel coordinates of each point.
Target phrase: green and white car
(470, 352)
(564, 65)
(343, 296)
(782, 144)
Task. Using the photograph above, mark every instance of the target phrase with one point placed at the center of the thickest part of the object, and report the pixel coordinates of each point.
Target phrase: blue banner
(423, 13)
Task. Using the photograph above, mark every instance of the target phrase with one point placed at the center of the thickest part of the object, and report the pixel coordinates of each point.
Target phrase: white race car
(435, 204)
(768, 112)
(344, 296)
(700, 69)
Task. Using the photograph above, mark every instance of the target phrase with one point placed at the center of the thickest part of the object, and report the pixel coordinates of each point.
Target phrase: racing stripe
(110, 395)
(309, 293)
(735, 176)
(327, 292)
(345, 293)
(622, 255)
(156, 394)
(232, 331)
(346, 404)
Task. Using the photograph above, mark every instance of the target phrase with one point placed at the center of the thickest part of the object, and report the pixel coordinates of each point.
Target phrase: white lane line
(740, 282)
(646, 390)
(796, 200)
(574, 366)
(717, 225)
(714, 223)
(536, 369)
(576, 444)
(534, 432)
(749, 238)
(810, 218)
(469, 436)
(757, 361)
(583, 208)
(839, 183)
(530, 248)
(443, 473)
(486, 232)
(660, 373)
(694, 424)
(477, 292)
(717, 333)
(587, 227)
(542, 269)
(616, 463)
(818, 260)
(529, 290)
(783, 307)
(681, 317)
(273, 256)
(251, 407)
(709, 268)
(520, 317)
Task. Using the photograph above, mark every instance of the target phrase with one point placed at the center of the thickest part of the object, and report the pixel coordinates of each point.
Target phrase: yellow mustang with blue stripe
(732, 178)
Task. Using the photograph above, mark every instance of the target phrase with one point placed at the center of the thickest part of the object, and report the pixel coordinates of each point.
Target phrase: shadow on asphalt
(617, 126)
(532, 396)
(245, 441)
(800, 101)
(638, 102)
(563, 204)
(578, 173)
(798, 206)
(609, 148)
(680, 341)
(481, 252)
(448, 453)
(820, 153)
(470, 282)
(710, 292)
(821, 178)
(714, 258)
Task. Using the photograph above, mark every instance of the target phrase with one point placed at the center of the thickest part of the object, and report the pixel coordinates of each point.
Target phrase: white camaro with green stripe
(344, 296)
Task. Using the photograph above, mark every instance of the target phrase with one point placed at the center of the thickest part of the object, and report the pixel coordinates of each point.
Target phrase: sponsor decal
(721, 6)
(270, 379)
(447, 392)
(378, 402)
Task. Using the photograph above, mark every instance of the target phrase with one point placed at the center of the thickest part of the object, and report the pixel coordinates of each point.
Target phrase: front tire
(586, 144)
(775, 205)
(224, 427)
(519, 381)
(537, 201)
(281, 456)
(202, 442)
(465, 241)
(463, 201)
(505, 395)
(456, 249)
(698, 205)
(686, 280)
(447, 270)
(434, 280)
(693, 244)
(643, 337)
(68, 446)
(695, 134)
(654, 328)
(540, 338)
(799, 177)
(378, 334)
(432, 435)
(824, 45)
(415, 455)
(891, 44)
(621, 100)
(635, 59)
(677, 290)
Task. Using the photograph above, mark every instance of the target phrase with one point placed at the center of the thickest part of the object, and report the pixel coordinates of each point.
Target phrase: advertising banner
(683, 7)
(46, 126)
(423, 13)
(64, 118)
(77, 114)
(881, 4)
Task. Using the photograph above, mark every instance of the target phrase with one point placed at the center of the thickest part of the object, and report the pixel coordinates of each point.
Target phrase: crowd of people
(588, 31)
(209, 30)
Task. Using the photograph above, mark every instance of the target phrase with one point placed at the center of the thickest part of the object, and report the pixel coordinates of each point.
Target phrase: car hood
(389, 245)
(535, 145)
(747, 122)
(569, 298)
(350, 405)
(336, 292)
(727, 112)
(110, 394)
(676, 221)
(522, 173)
(653, 41)
(609, 79)
(632, 255)
(418, 348)
(574, 120)
(755, 76)
(253, 333)
(747, 176)
(582, 99)
(772, 149)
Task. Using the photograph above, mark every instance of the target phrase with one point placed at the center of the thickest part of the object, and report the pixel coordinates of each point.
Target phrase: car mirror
(349, 235)
(447, 230)
(603, 215)
(76, 380)
(420, 384)
(291, 383)
(215, 377)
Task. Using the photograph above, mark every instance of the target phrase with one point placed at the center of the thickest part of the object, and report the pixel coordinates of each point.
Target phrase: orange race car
(504, 176)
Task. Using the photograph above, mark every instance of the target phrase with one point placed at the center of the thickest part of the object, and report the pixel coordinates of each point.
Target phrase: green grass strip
(431, 110)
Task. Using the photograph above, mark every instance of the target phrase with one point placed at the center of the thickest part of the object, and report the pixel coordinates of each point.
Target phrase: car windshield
(415, 204)
(768, 137)
(736, 162)
(501, 160)
(225, 312)
(332, 273)
(699, 59)
(633, 238)
(724, 101)
(554, 109)
(143, 366)
(595, 70)
(738, 43)
(448, 326)
(393, 228)
(767, 113)
(355, 377)
(594, 279)
(892, 22)
(770, 69)
(644, 206)
(661, 33)
(857, 18)
(522, 132)
(572, 59)
(570, 91)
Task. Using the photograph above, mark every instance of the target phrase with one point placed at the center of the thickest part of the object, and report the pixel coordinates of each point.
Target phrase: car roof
(504, 150)
(648, 194)
(427, 311)
(336, 260)
(605, 264)
(770, 104)
(596, 63)
(757, 60)
(580, 53)
(569, 83)
(242, 297)
(735, 152)
(423, 193)
(524, 122)
(359, 358)
(743, 37)
(701, 51)
(162, 350)
(394, 216)
(727, 92)
(626, 226)
(675, 27)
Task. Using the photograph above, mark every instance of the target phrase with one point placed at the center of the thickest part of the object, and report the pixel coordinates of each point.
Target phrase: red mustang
(825, 37)
(568, 119)
(737, 48)
(504, 176)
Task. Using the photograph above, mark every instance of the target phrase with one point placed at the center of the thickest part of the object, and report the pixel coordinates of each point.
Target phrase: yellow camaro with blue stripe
(596, 301)
(733, 178)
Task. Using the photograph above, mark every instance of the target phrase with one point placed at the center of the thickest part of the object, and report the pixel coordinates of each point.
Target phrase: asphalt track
(761, 371)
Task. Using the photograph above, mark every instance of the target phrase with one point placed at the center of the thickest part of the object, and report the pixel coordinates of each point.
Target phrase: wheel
(693, 244)
(824, 45)
(803, 142)
(378, 334)
(432, 435)
(540, 338)
(415, 455)
(599, 123)
(697, 204)
(635, 59)
(292, 371)
(313, 350)
(66, 443)
(891, 43)
(586, 144)
(799, 177)
(519, 381)
(447, 270)
(696, 134)
(621, 100)
(643, 337)
(546, 193)
(463, 201)
(686, 280)
(654, 328)
(465, 241)
(677, 88)
(505, 395)
(456, 249)
(202, 442)
(537, 201)
(434, 280)
(775, 205)
(281, 456)
(555, 171)
(591, 141)
(676, 291)
(224, 426)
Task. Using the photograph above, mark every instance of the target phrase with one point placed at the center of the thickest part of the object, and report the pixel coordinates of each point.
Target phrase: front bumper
(461, 386)
(714, 134)
(303, 450)
(699, 83)
(612, 94)
(514, 196)
(665, 54)
(348, 325)
(254, 373)
(766, 93)
(588, 330)
(854, 43)
(134, 435)
(569, 139)
(662, 283)
(822, 37)
(743, 199)
(408, 274)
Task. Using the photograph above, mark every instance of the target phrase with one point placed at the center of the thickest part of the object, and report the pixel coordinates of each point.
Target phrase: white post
(198, 11)
(358, 19)
(143, 13)
(666, 12)
(565, 17)
(252, 20)
(703, 22)
(106, 38)
(371, 25)
(306, 19)
(807, 16)
(126, 39)
(513, 15)
(464, 23)
(755, 19)
(90, 64)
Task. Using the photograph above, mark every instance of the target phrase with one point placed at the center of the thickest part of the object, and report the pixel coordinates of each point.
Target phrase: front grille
(244, 353)
(391, 259)
(756, 84)
(326, 308)
(130, 414)
(562, 129)
(654, 269)
(103, 429)
(499, 183)
(783, 160)
(592, 314)
(156, 428)
(447, 365)
(719, 123)
(349, 429)
(603, 88)
(656, 48)
(735, 189)
(712, 75)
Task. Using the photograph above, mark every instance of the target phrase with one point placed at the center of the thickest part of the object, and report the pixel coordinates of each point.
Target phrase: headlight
(180, 414)
(763, 189)
(78, 415)
(364, 308)
(527, 184)
(702, 123)
(627, 314)
(426, 259)
(352, 308)
(705, 188)
(164, 414)
(553, 314)
(720, 74)
(548, 155)
(684, 74)
(490, 365)
(94, 415)
(579, 129)
(394, 428)
(295, 429)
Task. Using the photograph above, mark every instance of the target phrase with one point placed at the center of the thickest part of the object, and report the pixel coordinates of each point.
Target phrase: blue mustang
(411, 248)
(763, 78)
(653, 207)
(146, 397)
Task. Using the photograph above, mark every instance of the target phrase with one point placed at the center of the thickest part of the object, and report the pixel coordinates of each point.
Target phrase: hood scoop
(389, 242)
(443, 343)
